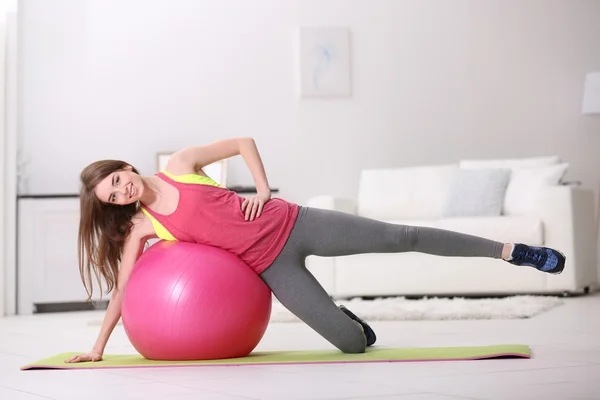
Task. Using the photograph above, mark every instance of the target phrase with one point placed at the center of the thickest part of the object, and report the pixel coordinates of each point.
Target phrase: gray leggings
(331, 233)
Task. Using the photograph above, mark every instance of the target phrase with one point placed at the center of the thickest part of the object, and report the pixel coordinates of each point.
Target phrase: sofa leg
(584, 292)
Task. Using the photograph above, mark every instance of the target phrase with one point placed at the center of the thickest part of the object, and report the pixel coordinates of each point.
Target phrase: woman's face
(121, 187)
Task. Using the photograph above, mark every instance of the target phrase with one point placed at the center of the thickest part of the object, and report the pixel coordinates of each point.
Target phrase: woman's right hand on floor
(90, 356)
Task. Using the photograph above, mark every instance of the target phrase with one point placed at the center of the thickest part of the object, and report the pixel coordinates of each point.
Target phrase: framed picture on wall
(324, 61)
(216, 171)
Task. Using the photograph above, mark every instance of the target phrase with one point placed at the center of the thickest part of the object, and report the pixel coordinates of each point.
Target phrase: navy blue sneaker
(541, 258)
(369, 334)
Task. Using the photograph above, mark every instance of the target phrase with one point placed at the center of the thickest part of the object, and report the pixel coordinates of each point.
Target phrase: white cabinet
(47, 264)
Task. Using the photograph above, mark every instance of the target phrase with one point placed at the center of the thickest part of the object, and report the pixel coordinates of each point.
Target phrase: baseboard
(41, 308)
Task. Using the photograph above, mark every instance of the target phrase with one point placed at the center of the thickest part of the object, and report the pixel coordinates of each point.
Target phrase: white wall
(433, 81)
(2, 162)
(6, 219)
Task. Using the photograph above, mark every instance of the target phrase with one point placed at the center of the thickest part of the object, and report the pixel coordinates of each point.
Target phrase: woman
(121, 210)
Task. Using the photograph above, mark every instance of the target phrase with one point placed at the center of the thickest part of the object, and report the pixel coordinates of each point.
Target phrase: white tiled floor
(565, 343)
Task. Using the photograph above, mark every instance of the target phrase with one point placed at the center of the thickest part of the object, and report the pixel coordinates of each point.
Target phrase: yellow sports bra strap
(192, 178)
(160, 230)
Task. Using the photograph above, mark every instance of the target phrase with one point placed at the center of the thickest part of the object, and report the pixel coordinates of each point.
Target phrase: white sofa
(562, 217)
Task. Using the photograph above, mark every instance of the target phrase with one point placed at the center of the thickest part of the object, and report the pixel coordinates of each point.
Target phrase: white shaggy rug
(402, 309)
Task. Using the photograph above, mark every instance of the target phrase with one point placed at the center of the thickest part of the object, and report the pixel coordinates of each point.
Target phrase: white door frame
(8, 165)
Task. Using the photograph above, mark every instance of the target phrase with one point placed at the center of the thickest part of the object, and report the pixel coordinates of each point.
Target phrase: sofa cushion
(476, 193)
(404, 193)
(528, 230)
(524, 187)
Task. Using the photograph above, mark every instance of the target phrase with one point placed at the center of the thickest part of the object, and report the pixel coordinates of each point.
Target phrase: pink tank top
(211, 214)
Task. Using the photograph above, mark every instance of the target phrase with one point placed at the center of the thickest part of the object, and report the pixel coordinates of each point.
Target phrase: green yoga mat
(300, 357)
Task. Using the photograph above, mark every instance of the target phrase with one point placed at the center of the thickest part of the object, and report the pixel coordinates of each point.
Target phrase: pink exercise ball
(186, 301)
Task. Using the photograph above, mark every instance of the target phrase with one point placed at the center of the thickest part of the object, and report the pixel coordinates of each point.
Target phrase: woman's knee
(353, 342)
(353, 348)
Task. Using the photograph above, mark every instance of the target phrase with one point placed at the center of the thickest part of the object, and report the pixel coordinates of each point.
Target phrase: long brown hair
(103, 228)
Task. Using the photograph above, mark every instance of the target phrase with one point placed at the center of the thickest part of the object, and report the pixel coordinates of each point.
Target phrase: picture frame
(324, 61)
(217, 171)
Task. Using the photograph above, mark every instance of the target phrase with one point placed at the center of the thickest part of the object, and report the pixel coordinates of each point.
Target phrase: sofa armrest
(568, 216)
(346, 205)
